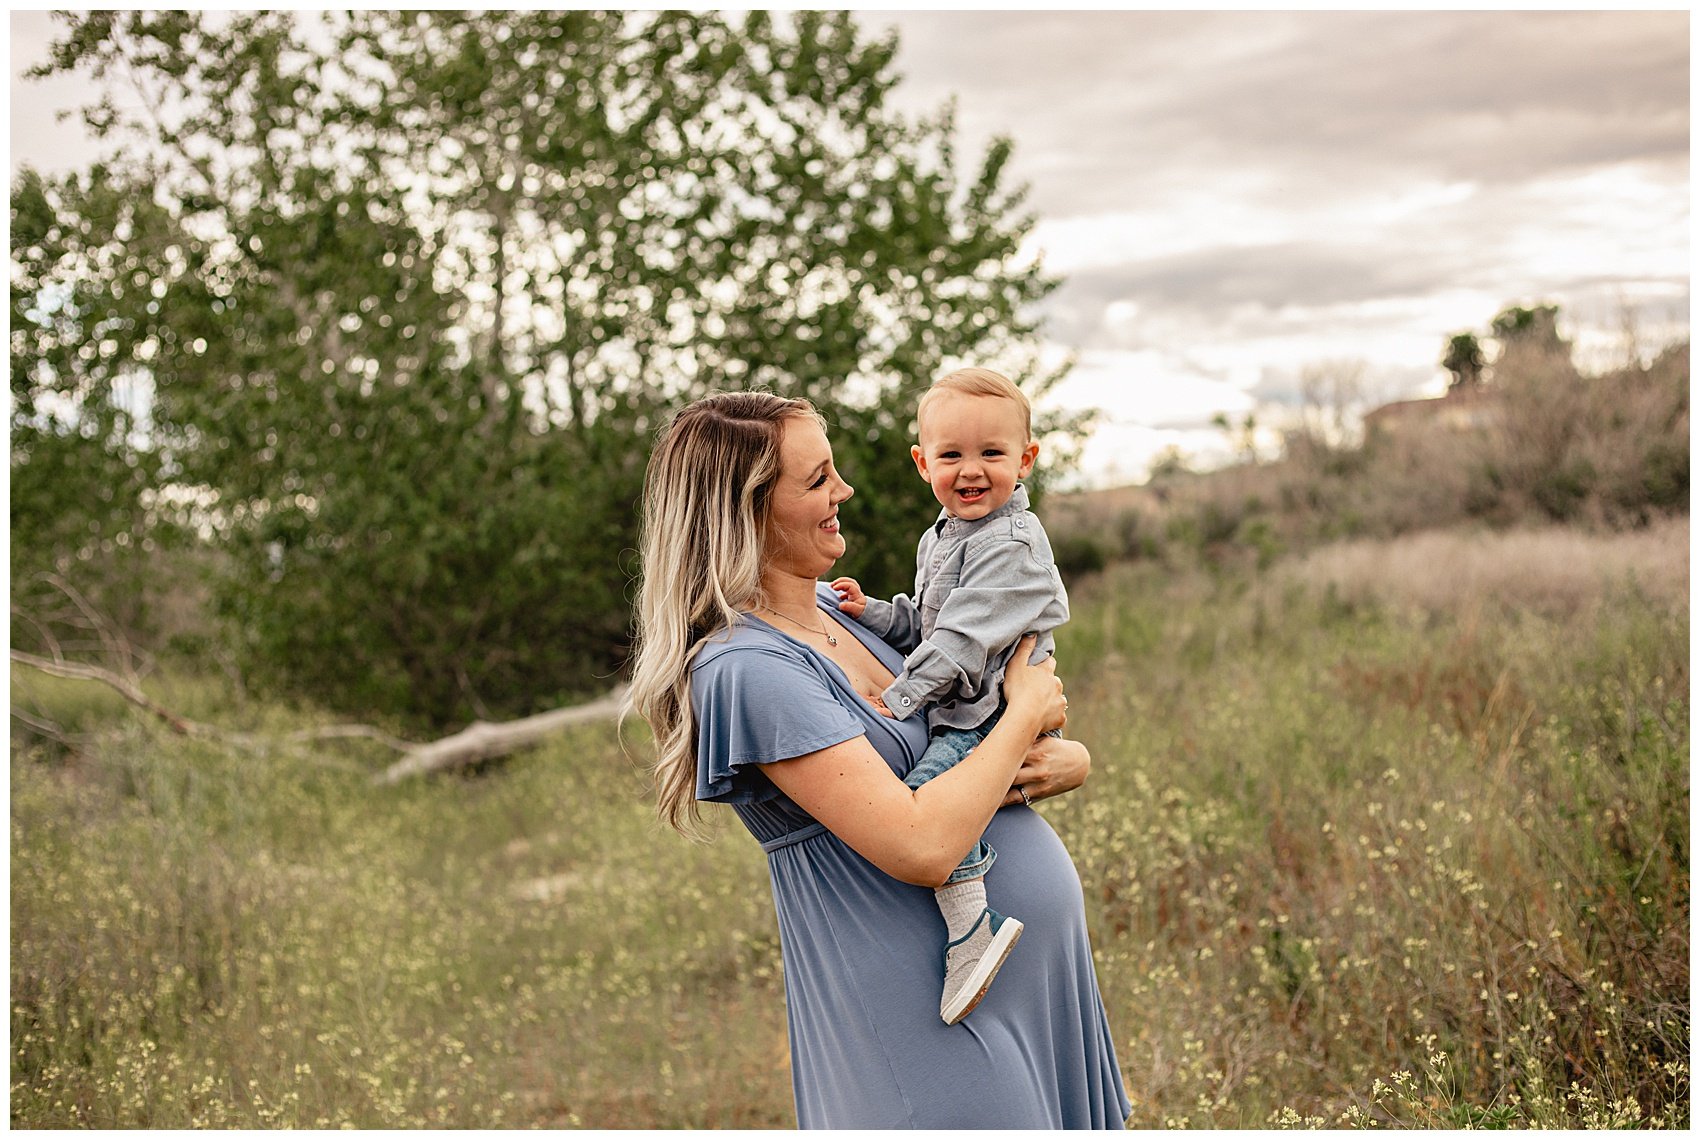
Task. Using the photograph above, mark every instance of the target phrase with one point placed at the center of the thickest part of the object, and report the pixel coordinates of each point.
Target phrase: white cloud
(1122, 453)
(1149, 388)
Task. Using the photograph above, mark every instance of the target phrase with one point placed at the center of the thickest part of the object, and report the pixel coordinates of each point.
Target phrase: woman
(758, 691)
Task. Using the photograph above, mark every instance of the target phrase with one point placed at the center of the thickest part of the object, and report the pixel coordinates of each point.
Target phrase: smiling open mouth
(969, 494)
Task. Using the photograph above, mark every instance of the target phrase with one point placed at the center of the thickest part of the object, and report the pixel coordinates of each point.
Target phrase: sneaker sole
(981, 979)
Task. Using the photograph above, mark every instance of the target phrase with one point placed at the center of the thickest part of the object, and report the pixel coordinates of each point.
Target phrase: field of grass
(1368, 841)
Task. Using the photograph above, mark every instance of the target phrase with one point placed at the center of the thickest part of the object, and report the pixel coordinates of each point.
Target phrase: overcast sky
(1231, 197)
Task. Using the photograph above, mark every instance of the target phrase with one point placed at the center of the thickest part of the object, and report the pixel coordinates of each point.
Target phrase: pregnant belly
(1034, 876)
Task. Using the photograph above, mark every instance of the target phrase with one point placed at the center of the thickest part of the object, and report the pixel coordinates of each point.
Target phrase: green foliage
(1559, 492)
(84, 480)
(1465, 359)
(1219, 533)
(1087, 545)
(1079, 554)
(1533, 325)
(1259, 534)
(410, 299)
(1664, 478)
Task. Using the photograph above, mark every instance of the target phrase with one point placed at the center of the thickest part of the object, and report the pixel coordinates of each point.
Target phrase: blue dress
(863, 951)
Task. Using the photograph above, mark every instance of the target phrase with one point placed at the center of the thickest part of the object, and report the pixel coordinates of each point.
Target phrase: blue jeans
(944, 752)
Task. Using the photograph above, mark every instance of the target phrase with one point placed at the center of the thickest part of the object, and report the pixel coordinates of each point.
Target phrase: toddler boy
(984, 577)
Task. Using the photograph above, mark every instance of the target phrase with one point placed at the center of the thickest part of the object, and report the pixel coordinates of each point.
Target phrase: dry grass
(1553, 570)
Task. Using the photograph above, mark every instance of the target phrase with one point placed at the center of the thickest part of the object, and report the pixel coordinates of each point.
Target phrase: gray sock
(961, 904)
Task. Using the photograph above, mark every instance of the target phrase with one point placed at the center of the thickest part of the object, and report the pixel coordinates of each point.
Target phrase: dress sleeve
(754, 707)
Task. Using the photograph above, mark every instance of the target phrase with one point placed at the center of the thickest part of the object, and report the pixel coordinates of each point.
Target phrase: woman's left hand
(1051, 767)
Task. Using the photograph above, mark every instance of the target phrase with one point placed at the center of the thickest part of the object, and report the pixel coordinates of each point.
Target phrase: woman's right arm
(920, 834)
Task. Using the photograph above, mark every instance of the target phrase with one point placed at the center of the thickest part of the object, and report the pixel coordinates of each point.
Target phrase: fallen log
(483, 740)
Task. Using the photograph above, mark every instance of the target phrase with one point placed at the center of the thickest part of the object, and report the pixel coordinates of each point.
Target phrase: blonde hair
(977, 382)
(705, 504)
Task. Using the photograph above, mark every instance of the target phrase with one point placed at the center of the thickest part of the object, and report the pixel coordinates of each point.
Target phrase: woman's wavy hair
(705, 506)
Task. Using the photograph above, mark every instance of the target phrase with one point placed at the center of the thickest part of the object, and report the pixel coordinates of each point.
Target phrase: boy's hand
(851, 600)
(881, 707)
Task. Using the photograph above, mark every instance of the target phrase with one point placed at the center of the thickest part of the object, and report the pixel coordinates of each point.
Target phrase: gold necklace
(830, 640)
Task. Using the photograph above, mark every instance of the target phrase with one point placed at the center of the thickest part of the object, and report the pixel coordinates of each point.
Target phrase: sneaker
(972, 961)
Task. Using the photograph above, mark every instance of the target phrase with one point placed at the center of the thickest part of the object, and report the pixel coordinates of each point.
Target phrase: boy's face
(973, 451)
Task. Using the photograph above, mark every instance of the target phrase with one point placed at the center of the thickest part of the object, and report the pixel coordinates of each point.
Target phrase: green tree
(1242, 435)
(1465, 360)
(1535, 326)
(84, 476)
(1530, 349)
(411, 292)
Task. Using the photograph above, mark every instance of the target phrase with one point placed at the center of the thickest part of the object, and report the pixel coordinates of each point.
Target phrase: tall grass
(210, 938)
(1356, 850)
(1342, 834)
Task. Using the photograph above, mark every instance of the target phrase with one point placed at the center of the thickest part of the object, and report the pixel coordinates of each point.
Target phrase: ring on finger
(1025, 798)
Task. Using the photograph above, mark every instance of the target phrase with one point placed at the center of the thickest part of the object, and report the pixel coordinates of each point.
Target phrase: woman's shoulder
(748, 636)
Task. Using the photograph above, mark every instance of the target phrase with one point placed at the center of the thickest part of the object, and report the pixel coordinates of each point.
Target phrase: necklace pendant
(830, 640)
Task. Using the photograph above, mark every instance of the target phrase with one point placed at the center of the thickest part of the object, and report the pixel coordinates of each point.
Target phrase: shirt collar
(1017, 503)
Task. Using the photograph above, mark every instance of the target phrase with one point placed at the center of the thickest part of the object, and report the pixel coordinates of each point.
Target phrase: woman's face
(802, 520)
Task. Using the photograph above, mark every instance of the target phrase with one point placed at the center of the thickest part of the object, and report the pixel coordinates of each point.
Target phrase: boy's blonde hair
(978, 382)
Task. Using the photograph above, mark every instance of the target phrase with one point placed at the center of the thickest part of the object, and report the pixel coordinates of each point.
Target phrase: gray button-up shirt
(979, 586)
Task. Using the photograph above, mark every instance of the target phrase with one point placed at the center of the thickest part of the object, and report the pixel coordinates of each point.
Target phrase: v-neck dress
(863, 952)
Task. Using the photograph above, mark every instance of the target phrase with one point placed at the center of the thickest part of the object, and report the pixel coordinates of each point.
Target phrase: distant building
(1464, 409)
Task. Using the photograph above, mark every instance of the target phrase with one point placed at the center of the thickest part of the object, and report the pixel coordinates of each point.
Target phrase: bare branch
(42, 725)
(153, 104)
(47, 637)
(96, 622)
(111, 637)
(124, 686)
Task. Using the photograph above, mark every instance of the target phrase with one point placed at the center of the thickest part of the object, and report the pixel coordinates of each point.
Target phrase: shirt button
(1020, 522)
(907, 702)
